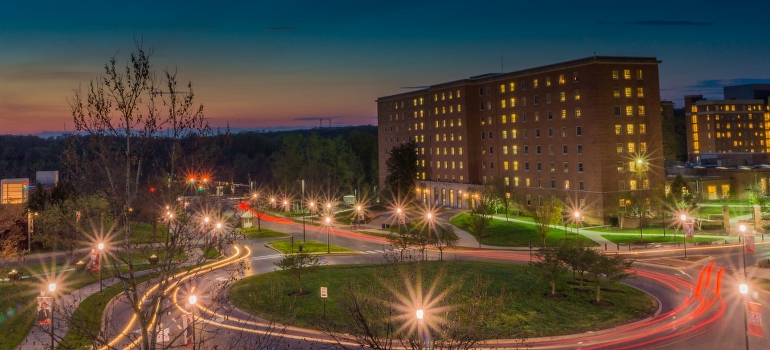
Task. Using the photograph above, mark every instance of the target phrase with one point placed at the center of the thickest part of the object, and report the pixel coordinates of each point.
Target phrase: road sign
(749, 245)
(754, 313)
(689, 229)
(324, 292)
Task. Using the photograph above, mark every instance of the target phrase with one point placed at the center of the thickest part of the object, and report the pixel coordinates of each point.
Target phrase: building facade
(730, 132)
(587, 132)
(14, 191)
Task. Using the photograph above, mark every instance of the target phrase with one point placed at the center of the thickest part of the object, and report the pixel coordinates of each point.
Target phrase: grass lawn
(141, 232)
(284, 246)
(253, 232)
(626, 239)
(525, 312)
(734, 210)
(515, 234)
(211, 253)
(377, 234)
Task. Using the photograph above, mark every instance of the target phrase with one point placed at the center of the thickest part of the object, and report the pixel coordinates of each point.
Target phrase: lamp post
(304, 238)
(745, 290)
(219, 239)
(312, 211)
(52, 289)
(742, 227)
(101, 284)
(683, 219)
(285, 205)
(358, 217)
(208, 231)
(577, 225)
(193, 300)
(272, 202)
(328, 226)
(429, 216)
(420, 331)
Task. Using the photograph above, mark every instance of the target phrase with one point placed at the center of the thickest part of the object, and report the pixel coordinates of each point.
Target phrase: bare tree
(299, 264)
(480, 205)
(122, 114)
(545, 215)
(443, 238)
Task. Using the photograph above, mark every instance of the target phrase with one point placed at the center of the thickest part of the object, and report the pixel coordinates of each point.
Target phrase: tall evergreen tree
(402, 169)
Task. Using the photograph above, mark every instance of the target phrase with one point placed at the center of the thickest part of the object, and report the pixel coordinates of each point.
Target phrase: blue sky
(258, 64)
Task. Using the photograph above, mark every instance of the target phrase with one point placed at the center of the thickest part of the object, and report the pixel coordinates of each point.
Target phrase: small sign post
(750, 247)
(324, 295)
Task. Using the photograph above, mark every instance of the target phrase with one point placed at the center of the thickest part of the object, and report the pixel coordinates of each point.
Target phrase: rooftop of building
(549, 67)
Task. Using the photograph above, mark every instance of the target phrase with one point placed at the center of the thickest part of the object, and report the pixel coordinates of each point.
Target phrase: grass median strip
(254, 232)
(284, 246)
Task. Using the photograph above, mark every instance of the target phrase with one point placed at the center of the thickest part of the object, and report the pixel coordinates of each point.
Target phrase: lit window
(629, 110)
(641, 110)
(618, 129)
(577, 95)
(548, 81)
(505, 134)
(642, 128)
(512, 86)
(577, 113)
(502, 103)
(503, 119)
(535, 83)
(460, 151)
(575, 77)
(615, 75)
(502, 87)
(627, 92)
(632, 185)
(630, 129)
(563, 114)
(631, 148)
(639, 74)
(515, 149)
(561, 79)
(627, 74)
(505, 150)
(513, 133)
(618, 148)
(515, 165)
(562, 96)
(616, 92)
(640, 92)
(642, 147)
(513, 102)
(566, 184)
(553, 167)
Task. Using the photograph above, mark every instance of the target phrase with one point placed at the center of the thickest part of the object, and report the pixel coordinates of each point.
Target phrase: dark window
(580, 168)
(491, 165)
(537, 132)
(578, 131)
(490, 135)
(537, 149)
(553, 183)
(483, 135)
(579, 149)
(564, 149)
(580, 186)
(539, 166)
(617, 111)
(490, 149)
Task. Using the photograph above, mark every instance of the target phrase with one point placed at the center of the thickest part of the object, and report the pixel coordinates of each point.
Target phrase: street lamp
(193, 300)
(577, 225)
(52, 289)
(420, 314)
(358, 216)
(101, 284)
(429, 216)
(328, 226)
(683, 219)
(285, 205)
(312, 211)
(742, 227)
(744, 290)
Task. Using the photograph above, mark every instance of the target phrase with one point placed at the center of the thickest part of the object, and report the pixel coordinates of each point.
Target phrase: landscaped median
(522, 310)
(285, 247)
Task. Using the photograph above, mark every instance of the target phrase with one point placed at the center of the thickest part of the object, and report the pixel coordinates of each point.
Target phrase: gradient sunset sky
(265, 64)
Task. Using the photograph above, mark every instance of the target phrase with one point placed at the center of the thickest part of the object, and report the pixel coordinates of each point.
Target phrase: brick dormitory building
(587, 132)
